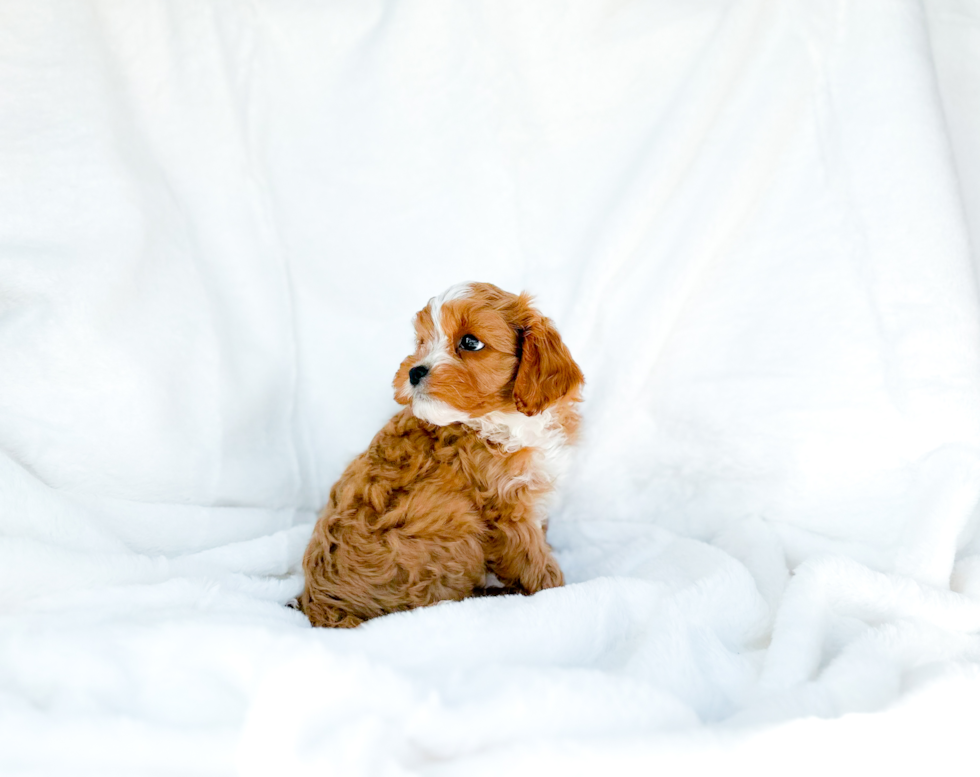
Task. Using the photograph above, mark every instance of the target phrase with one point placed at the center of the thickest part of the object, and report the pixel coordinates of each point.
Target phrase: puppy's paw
(545, 575)
(553, 576)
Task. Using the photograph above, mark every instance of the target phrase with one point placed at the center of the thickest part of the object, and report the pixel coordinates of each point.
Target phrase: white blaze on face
(440, 350)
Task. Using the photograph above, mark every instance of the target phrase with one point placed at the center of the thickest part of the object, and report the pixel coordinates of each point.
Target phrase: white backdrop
(752, 222)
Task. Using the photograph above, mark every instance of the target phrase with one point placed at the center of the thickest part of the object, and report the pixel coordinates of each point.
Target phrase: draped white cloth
(752, 223)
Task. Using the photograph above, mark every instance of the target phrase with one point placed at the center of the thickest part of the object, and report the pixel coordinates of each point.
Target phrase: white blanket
(751, 222)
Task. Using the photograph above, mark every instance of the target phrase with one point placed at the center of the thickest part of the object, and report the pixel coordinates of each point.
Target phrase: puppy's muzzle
(416, 374)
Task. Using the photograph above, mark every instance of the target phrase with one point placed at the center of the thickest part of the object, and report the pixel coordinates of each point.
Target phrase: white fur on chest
(542, 432)
(512, 431)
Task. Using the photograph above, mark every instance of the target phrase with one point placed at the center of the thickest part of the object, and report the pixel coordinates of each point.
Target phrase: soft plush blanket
(751, 222)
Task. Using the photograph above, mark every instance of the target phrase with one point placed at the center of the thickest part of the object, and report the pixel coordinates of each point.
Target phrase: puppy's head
(480, 349)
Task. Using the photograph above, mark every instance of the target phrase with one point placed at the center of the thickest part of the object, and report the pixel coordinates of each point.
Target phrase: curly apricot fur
(427, 511)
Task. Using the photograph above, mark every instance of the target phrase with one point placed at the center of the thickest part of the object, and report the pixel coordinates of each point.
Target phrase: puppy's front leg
(519, 555)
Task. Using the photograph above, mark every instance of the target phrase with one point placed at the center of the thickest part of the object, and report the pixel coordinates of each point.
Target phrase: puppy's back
(400, 529)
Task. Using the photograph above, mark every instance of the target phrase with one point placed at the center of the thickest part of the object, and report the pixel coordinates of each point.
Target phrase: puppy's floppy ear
(547, 371)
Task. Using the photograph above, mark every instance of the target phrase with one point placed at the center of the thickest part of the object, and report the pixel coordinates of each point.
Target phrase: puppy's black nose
(416, 374)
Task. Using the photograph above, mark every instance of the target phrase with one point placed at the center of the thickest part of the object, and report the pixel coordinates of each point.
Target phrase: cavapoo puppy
(450, 492)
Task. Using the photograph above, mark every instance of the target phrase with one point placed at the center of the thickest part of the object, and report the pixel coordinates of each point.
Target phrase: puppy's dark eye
(470, 343)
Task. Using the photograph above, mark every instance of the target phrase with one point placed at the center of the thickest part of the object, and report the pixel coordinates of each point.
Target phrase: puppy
(450, 492)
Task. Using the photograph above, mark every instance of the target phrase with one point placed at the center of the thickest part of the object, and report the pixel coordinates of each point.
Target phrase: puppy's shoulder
(402, 426)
